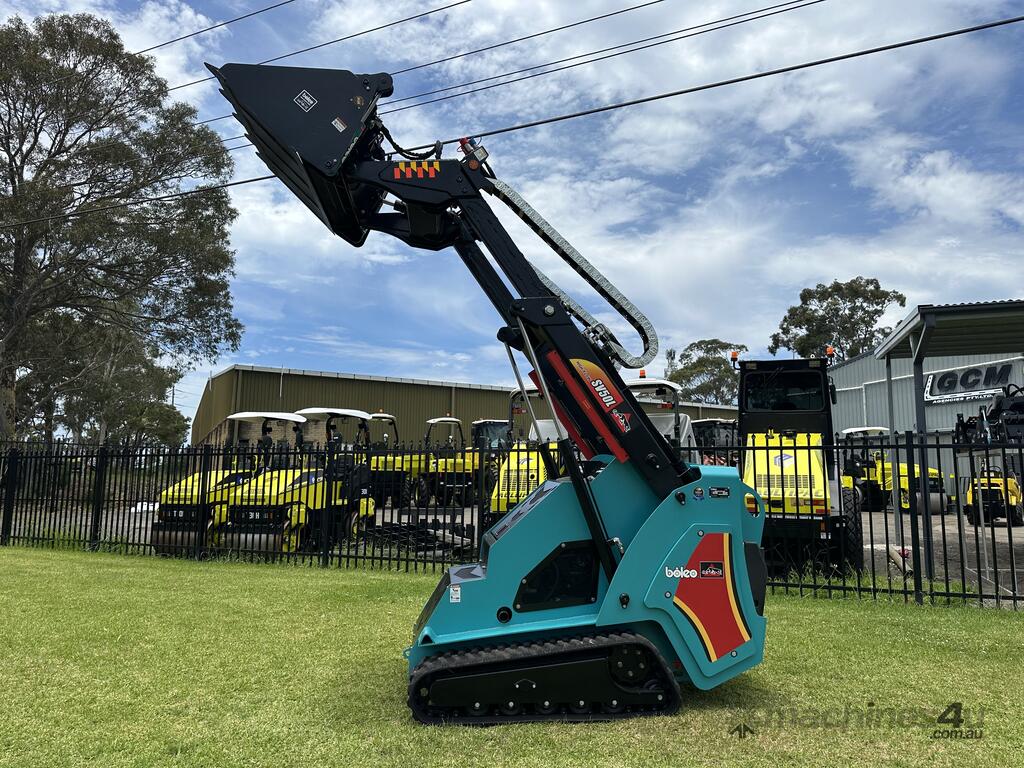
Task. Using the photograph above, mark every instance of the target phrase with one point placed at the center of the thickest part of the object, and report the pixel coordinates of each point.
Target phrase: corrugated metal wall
(863, 401)
(246, 388)
(411, 403)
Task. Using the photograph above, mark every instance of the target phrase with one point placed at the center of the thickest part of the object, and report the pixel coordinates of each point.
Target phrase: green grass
(119, 661)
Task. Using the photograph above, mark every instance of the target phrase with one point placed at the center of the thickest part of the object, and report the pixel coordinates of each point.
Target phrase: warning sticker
(305, 101)
(455, 593)
(339, 124)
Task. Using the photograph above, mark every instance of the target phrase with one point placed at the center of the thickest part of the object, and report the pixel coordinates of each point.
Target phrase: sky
(711, 211)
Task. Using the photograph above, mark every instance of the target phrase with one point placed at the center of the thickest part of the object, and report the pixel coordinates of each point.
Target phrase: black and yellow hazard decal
(417, 169)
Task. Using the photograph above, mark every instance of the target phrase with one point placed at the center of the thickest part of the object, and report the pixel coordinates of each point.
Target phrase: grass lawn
(119, 661)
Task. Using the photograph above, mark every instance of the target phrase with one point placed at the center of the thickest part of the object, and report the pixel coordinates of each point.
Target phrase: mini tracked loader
(611, 584)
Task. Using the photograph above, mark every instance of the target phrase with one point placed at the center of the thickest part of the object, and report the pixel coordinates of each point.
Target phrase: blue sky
(710, 211)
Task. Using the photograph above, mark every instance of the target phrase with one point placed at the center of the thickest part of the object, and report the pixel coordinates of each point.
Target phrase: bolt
(511, 704)
(668, 595)
(615, 702)
(547, 703)
(700, 533)
(734, 653)
(549, 310)
(629, 673)
(660, 697)
(641, 665)
(583, 703)
(618, 664)
(517, 685)
(519, 606)
(523, 581)
(476, 705)
(534, 686)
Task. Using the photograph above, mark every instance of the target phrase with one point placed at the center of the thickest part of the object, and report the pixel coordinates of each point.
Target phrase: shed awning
(958, 329)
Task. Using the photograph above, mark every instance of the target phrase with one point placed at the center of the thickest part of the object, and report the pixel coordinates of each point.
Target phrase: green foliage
(84, 125)
(843, 315)
(704, 371)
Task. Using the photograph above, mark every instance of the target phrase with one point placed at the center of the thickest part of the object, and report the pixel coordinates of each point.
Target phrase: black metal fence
(910, 516)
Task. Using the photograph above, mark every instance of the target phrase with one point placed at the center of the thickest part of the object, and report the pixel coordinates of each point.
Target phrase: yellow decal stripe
(728, 586)
(700, 627)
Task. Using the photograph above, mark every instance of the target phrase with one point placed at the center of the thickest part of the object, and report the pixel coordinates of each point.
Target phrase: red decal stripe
(588, 409)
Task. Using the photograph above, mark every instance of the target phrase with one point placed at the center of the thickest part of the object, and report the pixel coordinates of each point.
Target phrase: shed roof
(958, 329)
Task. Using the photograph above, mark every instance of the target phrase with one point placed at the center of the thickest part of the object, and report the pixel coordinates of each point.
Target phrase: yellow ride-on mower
(450, 476)
(393, 470)
(191, 512)
(785, 418)
(313, 498)
(872, 476)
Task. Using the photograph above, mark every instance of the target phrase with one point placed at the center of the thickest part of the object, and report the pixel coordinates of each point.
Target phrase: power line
(734, 80)
(197, 32)
(582, 113)
(336, 40)
(218, 25)
(130, 203)
(526, 37)
(705, 28)
(492, 47)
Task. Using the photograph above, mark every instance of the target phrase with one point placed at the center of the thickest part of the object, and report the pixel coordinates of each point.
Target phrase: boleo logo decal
(607, 394)
(782, 458)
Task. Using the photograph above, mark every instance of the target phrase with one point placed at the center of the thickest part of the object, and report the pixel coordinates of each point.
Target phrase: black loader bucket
(306, 124)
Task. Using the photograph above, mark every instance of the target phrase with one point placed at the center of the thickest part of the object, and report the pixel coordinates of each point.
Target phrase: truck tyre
(971, 514)
(852, 543)
(1016, 516)
(421, 493)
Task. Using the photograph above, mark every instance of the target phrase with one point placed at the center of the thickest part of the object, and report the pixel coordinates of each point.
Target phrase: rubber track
(515, 652)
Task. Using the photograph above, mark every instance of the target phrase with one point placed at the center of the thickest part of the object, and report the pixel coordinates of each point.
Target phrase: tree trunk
(8, 416)
(48, 416)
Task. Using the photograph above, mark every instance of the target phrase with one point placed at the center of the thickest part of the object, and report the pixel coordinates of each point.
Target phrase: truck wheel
(971, 514)
(1016, 516)
(853, 533)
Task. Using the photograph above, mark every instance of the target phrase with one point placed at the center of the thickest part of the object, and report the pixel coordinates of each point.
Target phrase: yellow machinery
(192, 512)
(990, 448)
(394, 470)
(870, 473)
(293, 507)
(993, 494)
(453, 475)
(785, 416)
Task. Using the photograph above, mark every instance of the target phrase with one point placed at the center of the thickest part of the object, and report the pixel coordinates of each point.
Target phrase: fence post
(915, 537)
(100, 481)
(327, 522)
(10, 481)
(204, 501)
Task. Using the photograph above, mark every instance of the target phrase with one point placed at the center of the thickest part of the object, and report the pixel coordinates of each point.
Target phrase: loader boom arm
(344, 176)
